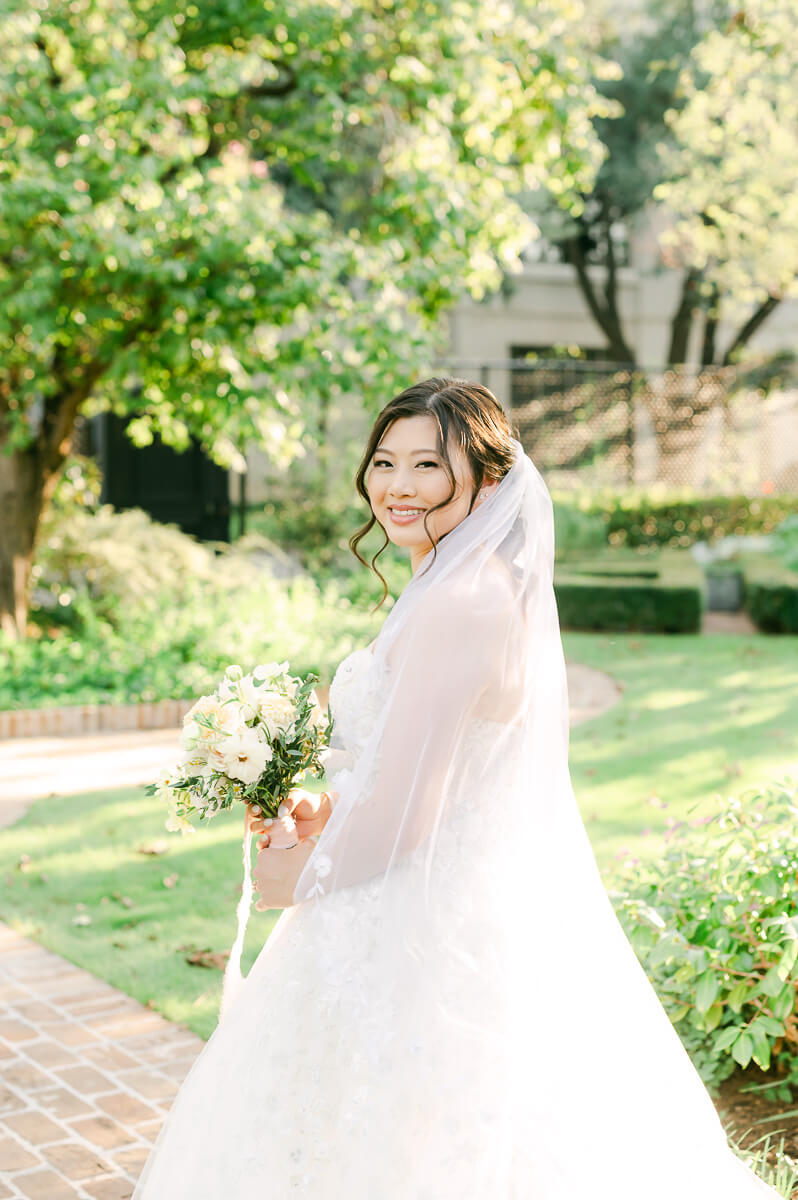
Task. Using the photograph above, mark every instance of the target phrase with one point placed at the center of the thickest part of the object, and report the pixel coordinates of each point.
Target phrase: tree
(733, 170)
(706, 136)
(210, 213)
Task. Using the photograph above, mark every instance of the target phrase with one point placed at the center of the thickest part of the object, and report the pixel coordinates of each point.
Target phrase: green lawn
(700, 717)
(84, 851)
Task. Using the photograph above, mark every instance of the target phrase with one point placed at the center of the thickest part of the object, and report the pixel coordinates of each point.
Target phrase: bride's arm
(441, 668)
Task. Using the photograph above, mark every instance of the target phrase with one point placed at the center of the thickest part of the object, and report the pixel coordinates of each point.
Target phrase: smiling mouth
(405, 515)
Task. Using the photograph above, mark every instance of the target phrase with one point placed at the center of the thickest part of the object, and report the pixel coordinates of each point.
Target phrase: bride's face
(406, 478)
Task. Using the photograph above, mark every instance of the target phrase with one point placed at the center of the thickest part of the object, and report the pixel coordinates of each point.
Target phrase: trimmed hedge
(636, 522)
(597, 602)
(770, 595)
(614, 592)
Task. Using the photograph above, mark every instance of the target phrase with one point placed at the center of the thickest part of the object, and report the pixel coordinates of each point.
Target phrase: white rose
(234, 672)
(266, 671)
(250, 698)
(245, 756)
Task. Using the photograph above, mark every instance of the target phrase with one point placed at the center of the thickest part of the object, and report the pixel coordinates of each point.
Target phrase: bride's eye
(427, 464)
(381, 462)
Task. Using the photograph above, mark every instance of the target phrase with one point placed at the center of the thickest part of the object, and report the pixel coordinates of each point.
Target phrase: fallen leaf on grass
(159, 846)
(24, 862)
(170, 880)
(208, 958)
(81, 919)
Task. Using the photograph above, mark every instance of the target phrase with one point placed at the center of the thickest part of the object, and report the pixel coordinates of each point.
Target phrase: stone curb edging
(92, 718)
(76, 719)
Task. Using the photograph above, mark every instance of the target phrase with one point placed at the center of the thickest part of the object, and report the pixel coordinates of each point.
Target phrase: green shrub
(622, 590)
(129, 610)
(576, 531)
(770, 594)
(115, 564)
(635, 520)
(784, 540)
(595, 602)
(313, 529)
(714, 923)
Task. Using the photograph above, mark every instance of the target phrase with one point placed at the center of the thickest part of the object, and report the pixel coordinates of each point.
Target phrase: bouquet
(252, 739)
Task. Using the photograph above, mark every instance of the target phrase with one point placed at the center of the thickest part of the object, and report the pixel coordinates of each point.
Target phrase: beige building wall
(547, 307)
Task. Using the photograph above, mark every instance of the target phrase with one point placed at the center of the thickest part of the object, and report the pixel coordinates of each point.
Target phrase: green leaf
(738, 995)
(706, 991)
(772, 982)
(713, 1017)
(770, 1025)
(743, 1049)
(761, 1050)
(725, 1038)
(788, 958)
(783, 1004)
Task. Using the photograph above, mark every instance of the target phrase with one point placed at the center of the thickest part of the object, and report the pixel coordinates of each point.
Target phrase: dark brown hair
(478, 424)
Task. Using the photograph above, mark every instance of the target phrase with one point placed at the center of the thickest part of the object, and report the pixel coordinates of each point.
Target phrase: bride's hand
(276, 873)
(306, 814)
(312, 812)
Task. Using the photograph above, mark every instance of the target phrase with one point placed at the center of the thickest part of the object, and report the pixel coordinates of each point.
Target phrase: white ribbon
(233, 979)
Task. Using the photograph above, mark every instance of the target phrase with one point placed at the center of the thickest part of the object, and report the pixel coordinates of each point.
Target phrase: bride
(447, 1008)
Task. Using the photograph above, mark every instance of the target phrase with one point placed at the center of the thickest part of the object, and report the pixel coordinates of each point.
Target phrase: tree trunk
(682, 319)
(22, 498)
(604, 312)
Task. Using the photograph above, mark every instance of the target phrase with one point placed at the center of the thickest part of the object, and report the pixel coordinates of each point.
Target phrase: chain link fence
(589, 425)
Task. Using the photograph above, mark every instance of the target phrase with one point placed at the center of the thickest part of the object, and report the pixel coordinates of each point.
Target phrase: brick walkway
(87, 1075)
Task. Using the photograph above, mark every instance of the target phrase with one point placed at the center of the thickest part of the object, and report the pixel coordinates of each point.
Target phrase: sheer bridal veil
(457, 843)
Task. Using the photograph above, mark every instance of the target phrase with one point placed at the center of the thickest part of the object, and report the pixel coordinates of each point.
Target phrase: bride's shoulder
(484, 597)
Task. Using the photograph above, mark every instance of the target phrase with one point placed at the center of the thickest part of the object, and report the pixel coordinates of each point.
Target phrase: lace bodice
(356, 693)
(355, 697)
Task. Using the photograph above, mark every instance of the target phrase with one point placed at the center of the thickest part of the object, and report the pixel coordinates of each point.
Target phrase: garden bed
(751, 1115)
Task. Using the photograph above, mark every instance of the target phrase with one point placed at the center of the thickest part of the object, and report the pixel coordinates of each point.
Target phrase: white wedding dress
(329, 1079)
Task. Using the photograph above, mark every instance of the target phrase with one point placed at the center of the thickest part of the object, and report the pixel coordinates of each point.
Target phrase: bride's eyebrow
(385, 450)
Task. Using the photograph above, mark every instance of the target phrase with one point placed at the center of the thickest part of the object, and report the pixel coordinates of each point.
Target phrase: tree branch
(278, 87)
(56, 80)
(62, 406)
(757, 318)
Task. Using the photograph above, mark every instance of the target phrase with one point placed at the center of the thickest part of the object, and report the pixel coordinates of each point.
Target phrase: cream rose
(276, 711)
